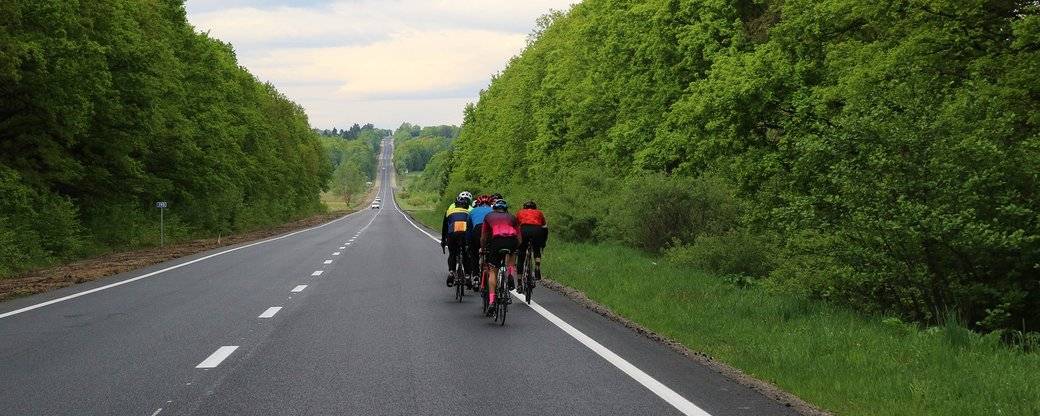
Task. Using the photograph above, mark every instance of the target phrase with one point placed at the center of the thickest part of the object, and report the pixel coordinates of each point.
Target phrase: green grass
(836, 359)
(334, 202)
(421, 204)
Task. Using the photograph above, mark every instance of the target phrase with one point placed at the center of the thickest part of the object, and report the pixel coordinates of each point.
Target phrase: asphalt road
(376, 332)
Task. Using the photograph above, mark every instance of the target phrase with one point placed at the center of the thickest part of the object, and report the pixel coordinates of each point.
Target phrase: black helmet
(496, 196)
(500, 204)
(530, 205)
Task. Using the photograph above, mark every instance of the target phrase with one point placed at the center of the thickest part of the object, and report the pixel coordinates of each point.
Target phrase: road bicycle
(460, 276)
(485, 270)
(526, 282)
(502, 297)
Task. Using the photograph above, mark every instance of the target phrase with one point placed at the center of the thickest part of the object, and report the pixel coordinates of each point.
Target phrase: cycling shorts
(497, 244)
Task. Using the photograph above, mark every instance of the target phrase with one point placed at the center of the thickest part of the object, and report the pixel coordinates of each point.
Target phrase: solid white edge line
(298, 288)
(668, 395)
(270, 312)
(217, 357)
(176, 266)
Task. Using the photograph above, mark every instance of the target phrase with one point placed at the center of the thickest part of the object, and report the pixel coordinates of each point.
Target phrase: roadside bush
(575, 203)
(36, 227)
(734, 253)
(654, 210)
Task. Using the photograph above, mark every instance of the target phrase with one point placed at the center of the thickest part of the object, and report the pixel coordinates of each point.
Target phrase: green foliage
(426, 149)
(36, 226)
(414, 154)
(898, 140)
(347, 182)
(651, 210)
(737, 253)
(108, 106)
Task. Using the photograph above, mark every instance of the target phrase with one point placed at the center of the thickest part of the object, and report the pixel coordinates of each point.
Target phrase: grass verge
(836, 359)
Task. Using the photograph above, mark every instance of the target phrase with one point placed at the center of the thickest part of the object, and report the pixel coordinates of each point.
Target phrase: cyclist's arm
(444, 229)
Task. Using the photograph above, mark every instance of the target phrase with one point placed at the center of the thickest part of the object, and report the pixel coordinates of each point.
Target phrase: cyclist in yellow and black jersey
(455, 232)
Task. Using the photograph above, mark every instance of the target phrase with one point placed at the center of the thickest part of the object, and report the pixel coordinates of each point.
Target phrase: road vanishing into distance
(348, 318)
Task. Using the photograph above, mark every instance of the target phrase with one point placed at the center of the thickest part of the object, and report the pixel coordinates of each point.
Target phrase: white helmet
(465, 195)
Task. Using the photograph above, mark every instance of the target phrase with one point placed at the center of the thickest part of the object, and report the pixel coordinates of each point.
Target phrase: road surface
(349, 318)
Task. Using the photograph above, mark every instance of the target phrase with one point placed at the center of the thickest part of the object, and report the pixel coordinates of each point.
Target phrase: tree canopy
(887, 152)
(108, 106)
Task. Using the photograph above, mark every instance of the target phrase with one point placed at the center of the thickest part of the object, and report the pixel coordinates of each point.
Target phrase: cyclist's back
(478, 213)
(455, 231)
(500, 236)
(535, 233)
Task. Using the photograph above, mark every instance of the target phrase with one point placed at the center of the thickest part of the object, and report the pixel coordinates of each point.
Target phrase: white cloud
(418, 62)
(341, 60)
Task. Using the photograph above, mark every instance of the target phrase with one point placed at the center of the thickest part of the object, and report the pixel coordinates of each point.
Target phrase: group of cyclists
(484, 225)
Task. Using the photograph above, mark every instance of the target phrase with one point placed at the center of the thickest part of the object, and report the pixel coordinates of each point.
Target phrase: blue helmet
(500, 204)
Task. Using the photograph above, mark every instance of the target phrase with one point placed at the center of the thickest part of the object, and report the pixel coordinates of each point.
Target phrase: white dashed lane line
(343, 248)
(269, 313)
(317, 273)
(335, 254)
(328, 261)
(298, 288)
(217, 357)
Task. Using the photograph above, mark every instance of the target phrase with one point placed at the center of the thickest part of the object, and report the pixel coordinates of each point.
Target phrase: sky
(374, 61)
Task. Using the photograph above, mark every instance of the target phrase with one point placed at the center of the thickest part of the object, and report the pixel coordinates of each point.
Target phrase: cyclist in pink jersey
(501, 231)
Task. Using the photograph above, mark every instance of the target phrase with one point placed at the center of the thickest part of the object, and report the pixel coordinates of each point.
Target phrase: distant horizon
(386, 62)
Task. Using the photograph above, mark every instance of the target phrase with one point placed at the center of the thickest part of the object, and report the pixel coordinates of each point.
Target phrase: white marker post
(162, 229)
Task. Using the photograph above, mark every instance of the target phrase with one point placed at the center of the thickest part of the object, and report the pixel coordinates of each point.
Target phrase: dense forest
(107, 106)
(878, 154)
(425, 149)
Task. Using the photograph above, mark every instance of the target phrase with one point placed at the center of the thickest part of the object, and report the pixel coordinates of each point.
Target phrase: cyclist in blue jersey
(481, 208)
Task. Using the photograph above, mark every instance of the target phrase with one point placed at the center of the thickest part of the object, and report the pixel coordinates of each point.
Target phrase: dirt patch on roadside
(43, 280)
(767, 389)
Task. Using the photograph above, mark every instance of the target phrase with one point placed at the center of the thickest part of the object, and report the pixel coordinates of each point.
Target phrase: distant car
(375, 205)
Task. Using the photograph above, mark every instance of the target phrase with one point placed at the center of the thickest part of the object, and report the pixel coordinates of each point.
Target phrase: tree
(348, 181)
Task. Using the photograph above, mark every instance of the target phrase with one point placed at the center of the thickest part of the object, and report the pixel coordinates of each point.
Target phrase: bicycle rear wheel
(503, 308)
(502, 298)
(483, 291)
(528, 276)
(460, 290)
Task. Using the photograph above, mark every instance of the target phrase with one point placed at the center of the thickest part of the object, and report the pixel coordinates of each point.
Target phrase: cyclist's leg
(492, 282)
(495, 258)
(453, 254)
(453, 258)
(522, 250)
(537, 244)
(474, 257)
